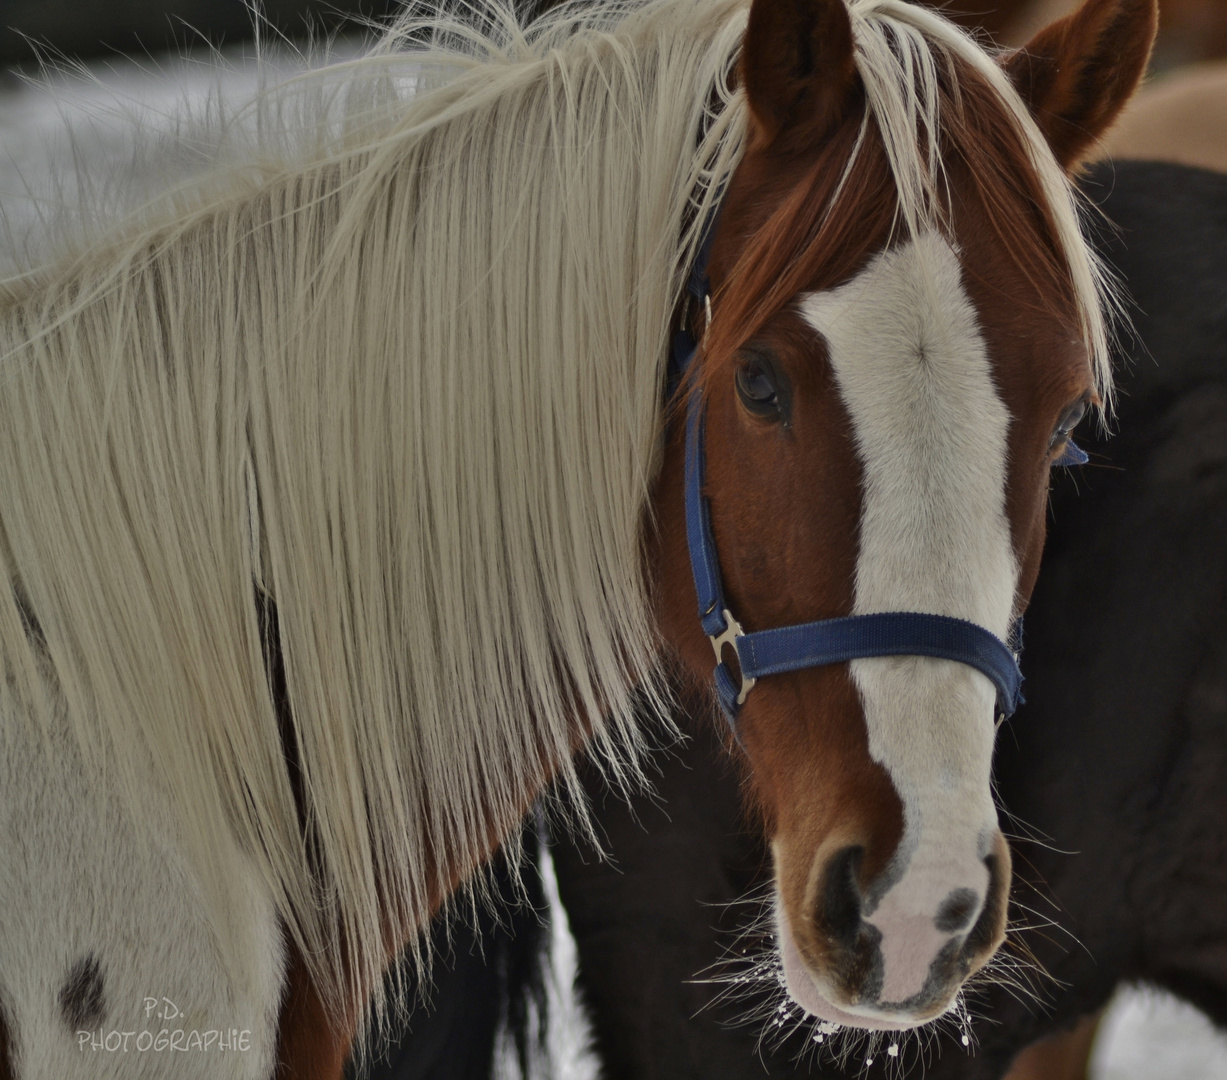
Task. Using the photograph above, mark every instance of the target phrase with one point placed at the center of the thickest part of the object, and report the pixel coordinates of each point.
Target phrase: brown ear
(798, 68)
(1077, 74)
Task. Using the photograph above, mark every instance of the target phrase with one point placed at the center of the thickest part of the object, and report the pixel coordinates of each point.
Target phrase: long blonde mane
(403, 374)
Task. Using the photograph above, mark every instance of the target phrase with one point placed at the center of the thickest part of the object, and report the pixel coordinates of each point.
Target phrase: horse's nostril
(840, 910)
(989, 927)
(956, 910)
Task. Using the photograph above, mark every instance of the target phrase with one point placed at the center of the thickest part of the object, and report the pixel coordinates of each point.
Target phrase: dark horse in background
(1114, 774)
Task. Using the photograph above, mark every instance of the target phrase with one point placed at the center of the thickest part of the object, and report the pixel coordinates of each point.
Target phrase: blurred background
(89, 29)
(1192, 31)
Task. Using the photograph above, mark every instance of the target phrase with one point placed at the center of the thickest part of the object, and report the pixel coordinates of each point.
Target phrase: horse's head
(904, 328)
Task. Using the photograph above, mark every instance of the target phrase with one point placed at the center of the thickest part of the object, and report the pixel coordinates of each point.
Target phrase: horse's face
(902, 465)
(881, 441)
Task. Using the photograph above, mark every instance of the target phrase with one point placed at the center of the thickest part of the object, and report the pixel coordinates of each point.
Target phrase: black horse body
(1113, 776)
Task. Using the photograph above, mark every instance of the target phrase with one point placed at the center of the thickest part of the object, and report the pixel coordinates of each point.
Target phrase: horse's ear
(798, 68)
(1077, 74)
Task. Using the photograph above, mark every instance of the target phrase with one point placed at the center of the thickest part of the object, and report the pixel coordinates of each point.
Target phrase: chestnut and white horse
(340, 504)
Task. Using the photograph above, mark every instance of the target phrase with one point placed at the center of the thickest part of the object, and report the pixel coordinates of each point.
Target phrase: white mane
(403, 370)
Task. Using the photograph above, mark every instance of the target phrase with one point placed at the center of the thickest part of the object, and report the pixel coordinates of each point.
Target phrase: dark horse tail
(488, 987)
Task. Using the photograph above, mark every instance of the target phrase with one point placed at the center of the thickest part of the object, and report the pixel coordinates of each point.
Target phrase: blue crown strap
(680, 355)
(895, 633)
(703, 563)
(698, 287)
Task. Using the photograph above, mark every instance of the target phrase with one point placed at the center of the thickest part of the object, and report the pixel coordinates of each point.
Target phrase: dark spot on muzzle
(854, 945)
(956, 910)
(82, 1003)
(984, 933)
(841, 896)
(950, 966)
(954, 962)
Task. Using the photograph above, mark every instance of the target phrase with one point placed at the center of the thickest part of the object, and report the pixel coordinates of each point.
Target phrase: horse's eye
(1066, 450)
(1070, 419)
(758, 387)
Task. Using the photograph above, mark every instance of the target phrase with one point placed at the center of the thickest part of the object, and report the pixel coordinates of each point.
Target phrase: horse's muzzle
(876, 955)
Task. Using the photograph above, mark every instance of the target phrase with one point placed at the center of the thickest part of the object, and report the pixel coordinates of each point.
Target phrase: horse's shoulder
(109, 965)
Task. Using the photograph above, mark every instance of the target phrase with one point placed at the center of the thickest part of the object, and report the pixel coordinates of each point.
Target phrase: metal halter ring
(732, 631)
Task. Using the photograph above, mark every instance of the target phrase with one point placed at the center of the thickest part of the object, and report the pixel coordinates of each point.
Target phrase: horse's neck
(441, 359)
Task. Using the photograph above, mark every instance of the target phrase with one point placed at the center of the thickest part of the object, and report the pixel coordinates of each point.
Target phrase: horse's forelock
(868, 186)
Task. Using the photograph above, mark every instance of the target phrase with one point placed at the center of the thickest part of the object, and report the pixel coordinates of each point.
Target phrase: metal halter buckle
(732, 631)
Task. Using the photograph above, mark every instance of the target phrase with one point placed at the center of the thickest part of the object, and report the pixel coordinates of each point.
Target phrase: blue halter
(826, 641)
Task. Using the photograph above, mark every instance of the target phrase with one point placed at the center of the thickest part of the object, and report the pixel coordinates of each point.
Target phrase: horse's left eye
(758, 387)
(1070, 419)
(1066, 451)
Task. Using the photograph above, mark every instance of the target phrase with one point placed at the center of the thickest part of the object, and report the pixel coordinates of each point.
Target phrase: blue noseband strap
(826, 641)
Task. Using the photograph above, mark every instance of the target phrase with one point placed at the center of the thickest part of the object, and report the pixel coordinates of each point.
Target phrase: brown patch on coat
(1066, 1056)
(313, 1039)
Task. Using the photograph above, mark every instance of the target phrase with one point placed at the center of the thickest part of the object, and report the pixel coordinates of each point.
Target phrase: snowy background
(77, 124)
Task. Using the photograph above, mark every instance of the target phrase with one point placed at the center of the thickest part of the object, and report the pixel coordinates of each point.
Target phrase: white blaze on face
(931, 434)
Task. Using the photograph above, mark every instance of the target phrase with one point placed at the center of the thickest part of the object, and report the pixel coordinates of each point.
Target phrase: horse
(342, 502)
(1112, 774)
